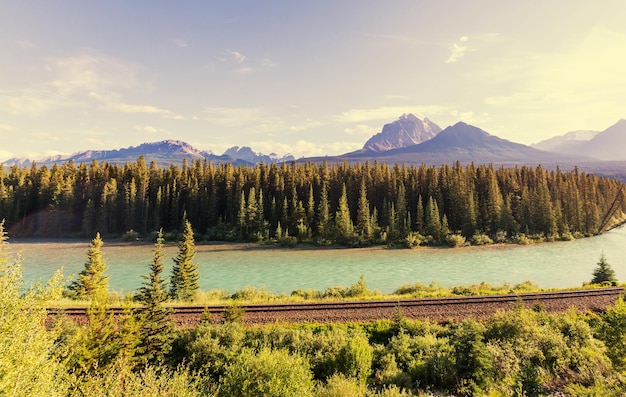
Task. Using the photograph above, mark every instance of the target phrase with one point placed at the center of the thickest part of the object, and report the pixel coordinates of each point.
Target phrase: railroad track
(437, 309)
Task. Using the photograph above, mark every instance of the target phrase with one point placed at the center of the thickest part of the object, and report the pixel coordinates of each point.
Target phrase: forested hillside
(345, 204)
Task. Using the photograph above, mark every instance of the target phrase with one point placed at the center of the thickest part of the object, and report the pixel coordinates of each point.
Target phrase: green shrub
(250, 293)
(339, 385)
(455, 240)
(28, 363)
(413, 240)
(355, 358)
(308, 294)
(130, 236)
(120, 380)
(481, 239)
(268, 372)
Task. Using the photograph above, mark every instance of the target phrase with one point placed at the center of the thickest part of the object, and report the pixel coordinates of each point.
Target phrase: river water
(558, 264)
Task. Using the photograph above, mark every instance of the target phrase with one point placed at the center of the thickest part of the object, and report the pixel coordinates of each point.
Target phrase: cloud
(361, 130)
(5, 155)
(113, 103)
(180, 43)
(388, 113)
(236, 56)
(67, 80)
(304, 148)
(243, 65)
(307, 124)
(268, 63)
(151, 130)
(459, 50)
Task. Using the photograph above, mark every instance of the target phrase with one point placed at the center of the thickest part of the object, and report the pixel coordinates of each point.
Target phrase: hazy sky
(309, 78)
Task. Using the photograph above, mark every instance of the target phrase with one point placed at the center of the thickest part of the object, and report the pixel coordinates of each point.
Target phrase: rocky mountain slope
(408, 130)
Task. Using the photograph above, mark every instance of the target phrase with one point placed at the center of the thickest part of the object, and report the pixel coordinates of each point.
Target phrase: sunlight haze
(307, 78)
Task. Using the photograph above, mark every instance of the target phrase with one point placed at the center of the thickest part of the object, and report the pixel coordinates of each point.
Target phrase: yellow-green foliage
(267, 372)
(119, 380)
(28, 366)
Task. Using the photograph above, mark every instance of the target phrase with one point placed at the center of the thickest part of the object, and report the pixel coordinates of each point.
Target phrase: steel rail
(449, 301)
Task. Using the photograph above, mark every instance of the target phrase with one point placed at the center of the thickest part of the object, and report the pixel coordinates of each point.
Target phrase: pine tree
(344, 228)
(363, 222)
(92, 282)
(323, 213)
(156, 327)
(419, 217)
(184, 281)
(433, 220)
(604, 273)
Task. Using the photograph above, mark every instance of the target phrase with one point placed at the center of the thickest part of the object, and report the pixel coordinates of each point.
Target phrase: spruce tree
(92, 282)
(344, 229)
(184, 281)
(363, 221)
(156, 327)
(604, 273)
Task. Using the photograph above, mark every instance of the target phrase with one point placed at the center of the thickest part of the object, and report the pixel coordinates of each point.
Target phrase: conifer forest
(352, 205)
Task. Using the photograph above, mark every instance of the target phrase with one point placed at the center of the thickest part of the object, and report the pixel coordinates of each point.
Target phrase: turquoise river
(233, 267)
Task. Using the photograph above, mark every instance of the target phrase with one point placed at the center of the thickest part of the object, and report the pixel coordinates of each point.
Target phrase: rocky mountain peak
(408, 130)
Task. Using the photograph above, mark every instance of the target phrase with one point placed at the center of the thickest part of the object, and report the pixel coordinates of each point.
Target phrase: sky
(307, 78)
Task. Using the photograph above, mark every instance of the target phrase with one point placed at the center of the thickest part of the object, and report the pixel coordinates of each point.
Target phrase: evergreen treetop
(184, 281)
(603, 273)
(92, 282)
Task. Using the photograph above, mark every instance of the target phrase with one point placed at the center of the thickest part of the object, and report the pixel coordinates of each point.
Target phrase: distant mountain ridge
(607, 145)
(464, 143)
(163, 152)
(565, 143)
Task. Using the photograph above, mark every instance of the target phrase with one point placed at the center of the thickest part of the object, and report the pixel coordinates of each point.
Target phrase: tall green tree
(344, 228)
(184, 281)
(603, 273)
(92, 282)
(156, 328)
(363, 222)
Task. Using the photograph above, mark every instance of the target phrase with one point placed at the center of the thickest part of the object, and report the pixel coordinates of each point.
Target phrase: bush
(481, 239)
(267, 373)
(130, 236)
(456, 240)
(120, 380)
(307, 294)
(339, 385)
(250, 293)
(355, 358)
(413, 240)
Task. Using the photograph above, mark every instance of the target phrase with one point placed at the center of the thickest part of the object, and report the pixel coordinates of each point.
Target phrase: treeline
(354, 205)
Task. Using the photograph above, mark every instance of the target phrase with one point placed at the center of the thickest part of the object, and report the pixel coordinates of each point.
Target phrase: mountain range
(411, 139)
(163, 153)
